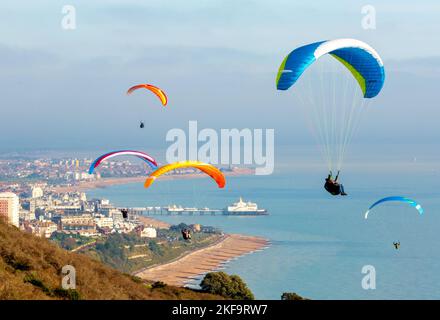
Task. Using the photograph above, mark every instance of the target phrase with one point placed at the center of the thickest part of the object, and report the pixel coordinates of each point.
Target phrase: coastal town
(48, 198)
(49, 195)
(37, 207)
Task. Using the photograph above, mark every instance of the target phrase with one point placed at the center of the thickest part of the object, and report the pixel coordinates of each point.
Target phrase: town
(29, 198)
(43, 213)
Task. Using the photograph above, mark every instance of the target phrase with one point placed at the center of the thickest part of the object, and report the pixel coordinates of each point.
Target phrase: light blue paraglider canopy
(396, 198)
(358, 57)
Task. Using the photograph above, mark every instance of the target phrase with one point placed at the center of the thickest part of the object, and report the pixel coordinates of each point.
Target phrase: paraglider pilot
(186, 234)
(396, 245)
(142, 125)
(333, 186)
(124, 213)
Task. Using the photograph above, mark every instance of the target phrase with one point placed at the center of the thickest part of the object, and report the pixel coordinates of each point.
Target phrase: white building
(124, 226)
(104, 222)
(37, 192)
(83, 176)
(148, 232)
(9, 208)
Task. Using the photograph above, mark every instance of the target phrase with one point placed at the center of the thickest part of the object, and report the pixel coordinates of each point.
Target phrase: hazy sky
(217, 61)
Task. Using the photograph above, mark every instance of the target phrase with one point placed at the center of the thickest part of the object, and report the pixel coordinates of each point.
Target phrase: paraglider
(411, 202)
(398, 199)
(186, 234)
(358, 57)
(333, 111)
(149, 160)
(209, 169)
(124, 213)
(157, 91)
(333, 186)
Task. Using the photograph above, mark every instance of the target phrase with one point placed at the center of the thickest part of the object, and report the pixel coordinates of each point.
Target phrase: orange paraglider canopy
(157, 91)
(207, 168)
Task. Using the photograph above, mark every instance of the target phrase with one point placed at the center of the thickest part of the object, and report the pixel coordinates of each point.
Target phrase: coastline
(194, 264)
(105, 182)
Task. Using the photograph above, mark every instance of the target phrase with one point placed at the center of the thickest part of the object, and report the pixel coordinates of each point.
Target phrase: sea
(321, 246)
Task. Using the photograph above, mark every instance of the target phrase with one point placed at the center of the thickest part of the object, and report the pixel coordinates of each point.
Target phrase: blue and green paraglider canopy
(358, 57)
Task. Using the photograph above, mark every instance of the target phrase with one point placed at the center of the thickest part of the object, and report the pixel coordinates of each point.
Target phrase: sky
(217, 61)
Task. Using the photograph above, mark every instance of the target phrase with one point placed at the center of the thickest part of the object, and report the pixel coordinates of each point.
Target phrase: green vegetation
(30, 268)
(291, 296)
(158, 284)
(70, 241)
(228, 286)
(69, 294)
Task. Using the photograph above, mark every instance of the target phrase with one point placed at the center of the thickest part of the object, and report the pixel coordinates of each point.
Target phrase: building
(67, 209)
(124, 226)
(26, 215)
(42, 229)
(37, 192)
(104, 222)
(9, 208)
(78, 224)
(148, 232)
(32, 206)
(82, 176)
(109, 211)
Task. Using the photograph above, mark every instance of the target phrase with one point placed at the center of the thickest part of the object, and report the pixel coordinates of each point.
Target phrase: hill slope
(30, 268)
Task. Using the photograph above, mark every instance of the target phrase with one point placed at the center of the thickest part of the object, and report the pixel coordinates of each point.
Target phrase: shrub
(69, 294)
(158, 285)
(33, 280)
(291, 296)
(232, 287)
(18, 263)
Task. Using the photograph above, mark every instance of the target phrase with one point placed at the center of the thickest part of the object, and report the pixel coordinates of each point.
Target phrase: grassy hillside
(30, 268)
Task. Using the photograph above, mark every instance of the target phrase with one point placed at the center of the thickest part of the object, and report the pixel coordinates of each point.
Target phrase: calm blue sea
(319, 243)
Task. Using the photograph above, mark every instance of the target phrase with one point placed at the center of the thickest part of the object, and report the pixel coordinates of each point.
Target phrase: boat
(242, 208)
(174, 208)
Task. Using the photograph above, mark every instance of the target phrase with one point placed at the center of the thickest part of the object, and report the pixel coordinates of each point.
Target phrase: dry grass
(30, 268)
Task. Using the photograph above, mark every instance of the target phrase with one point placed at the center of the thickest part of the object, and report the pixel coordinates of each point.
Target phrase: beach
(147, 221)
(190, 266)
(105, 182)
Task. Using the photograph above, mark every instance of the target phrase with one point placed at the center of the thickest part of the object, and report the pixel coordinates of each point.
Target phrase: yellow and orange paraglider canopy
(157, 91)
(207, 168)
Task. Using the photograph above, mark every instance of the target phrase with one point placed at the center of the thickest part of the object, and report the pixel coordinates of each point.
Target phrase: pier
(173, 211)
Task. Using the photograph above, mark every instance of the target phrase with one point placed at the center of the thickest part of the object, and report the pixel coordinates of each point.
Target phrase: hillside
(30, 268)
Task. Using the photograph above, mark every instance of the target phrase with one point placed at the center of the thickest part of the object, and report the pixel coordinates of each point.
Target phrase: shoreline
(195, 264)
(153, 222)
(106, 182)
